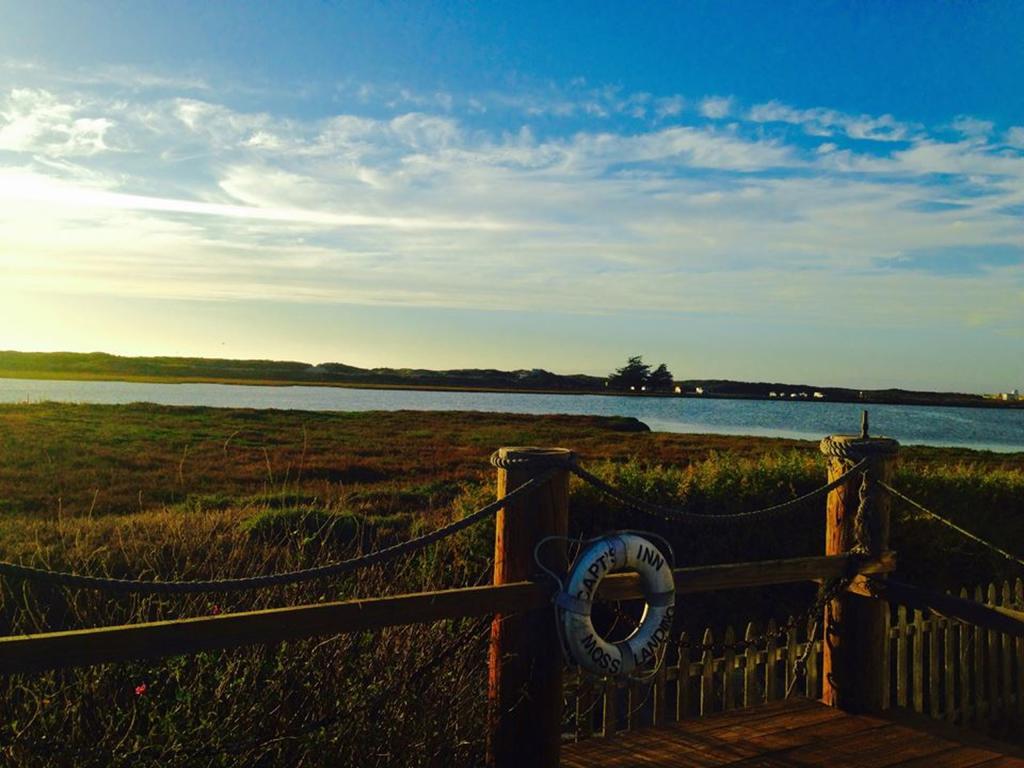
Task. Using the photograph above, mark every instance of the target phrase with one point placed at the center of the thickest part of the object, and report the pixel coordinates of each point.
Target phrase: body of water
(980, 428)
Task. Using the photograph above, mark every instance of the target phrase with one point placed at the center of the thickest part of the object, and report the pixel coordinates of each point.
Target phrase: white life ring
(584, 646)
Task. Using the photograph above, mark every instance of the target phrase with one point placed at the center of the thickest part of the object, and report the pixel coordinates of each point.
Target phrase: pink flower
(214, 610)
(140, 689)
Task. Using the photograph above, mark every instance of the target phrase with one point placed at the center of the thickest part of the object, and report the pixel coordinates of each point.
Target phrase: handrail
(83, 647)
(994, 617)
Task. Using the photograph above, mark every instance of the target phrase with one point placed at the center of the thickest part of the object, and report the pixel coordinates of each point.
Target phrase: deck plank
(782, 734)
(959, 756)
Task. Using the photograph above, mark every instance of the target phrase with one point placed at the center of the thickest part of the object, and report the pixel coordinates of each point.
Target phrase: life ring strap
(573, 604)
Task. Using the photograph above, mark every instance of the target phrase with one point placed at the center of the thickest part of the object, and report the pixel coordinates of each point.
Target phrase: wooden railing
(963, 673)
(82, 647)
(940, 667)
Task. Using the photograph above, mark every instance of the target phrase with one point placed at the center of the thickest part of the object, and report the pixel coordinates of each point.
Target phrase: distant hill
(778, 390)
(99, 365)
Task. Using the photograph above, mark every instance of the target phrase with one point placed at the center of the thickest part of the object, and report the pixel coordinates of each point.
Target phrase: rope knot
(529, 457)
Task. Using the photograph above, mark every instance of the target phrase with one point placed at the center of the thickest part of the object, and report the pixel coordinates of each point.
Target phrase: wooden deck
(799, 732)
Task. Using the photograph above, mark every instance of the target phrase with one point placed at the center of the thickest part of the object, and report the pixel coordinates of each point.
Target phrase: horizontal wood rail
(57, 650)
(992, 617)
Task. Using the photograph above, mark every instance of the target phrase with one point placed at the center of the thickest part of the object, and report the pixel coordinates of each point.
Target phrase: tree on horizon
(660, 379)
(633, 375)
(636, 375)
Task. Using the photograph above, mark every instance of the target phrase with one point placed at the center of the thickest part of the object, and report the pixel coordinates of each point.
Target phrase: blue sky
(824, 192)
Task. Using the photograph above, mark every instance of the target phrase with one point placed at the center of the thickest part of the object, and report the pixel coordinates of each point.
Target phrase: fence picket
(751, 694)
(611, 709)
(1018, 601)
(683, 706)
(995, 695)
(586, 703)
(934, 630)
(633, 703)
(1006, 676)
(771, 653)
(967, 698)
(917, 692)
(901, 656)
(811, 687)
(981, 707)
(728, 665)
(660, 693)
(792, 652)
(949, 662)
(707, 676)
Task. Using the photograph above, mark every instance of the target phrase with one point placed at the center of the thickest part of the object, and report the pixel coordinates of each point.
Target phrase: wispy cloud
(716, 107)
(579, 198)
(36, 121)
(819, 121)
(958, 260)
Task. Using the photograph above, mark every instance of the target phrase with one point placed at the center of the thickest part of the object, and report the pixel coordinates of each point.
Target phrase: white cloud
(669, 106)
(972, 127)
(435, 206)
(828, 122)
(716, 107)
(37, 121)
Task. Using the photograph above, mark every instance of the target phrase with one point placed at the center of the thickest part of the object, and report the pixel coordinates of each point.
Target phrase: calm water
(990, 429)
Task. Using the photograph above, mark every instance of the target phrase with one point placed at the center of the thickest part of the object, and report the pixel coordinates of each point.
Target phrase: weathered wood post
(525, 660)
(855, 658)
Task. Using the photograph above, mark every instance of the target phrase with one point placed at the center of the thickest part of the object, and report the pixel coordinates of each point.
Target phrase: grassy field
(154, 491)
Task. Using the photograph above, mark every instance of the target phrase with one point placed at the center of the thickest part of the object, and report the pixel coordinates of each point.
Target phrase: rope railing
(135, 586)
(949, 523)
(387, 554)
(678, 515)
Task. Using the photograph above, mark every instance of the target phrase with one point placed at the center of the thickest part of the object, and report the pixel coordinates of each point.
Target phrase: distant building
(1011, 395)
(699, 390)
(819, 395)
(773, 394)
(678, 390)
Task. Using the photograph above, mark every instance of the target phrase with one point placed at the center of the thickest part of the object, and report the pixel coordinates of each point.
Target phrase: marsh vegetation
(194, 493)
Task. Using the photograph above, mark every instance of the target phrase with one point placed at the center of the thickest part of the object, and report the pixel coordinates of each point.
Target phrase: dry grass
(200, 493)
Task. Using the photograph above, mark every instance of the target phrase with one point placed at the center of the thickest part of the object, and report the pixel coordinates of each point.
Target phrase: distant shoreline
(953, 402)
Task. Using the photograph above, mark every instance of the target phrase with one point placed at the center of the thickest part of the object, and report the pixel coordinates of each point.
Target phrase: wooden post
(525, 660)
(855, 657)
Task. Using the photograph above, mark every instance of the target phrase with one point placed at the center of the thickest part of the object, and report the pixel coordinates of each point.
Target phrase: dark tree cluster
(637, 376)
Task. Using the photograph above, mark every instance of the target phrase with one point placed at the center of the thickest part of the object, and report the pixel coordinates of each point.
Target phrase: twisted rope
(950, 524)
(532, 458)
(133, 586)
(863, 520)
(552, 463)
(856, 448)
(678, 515)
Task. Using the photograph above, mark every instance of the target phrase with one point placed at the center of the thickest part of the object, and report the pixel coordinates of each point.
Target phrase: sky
(822, 192)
